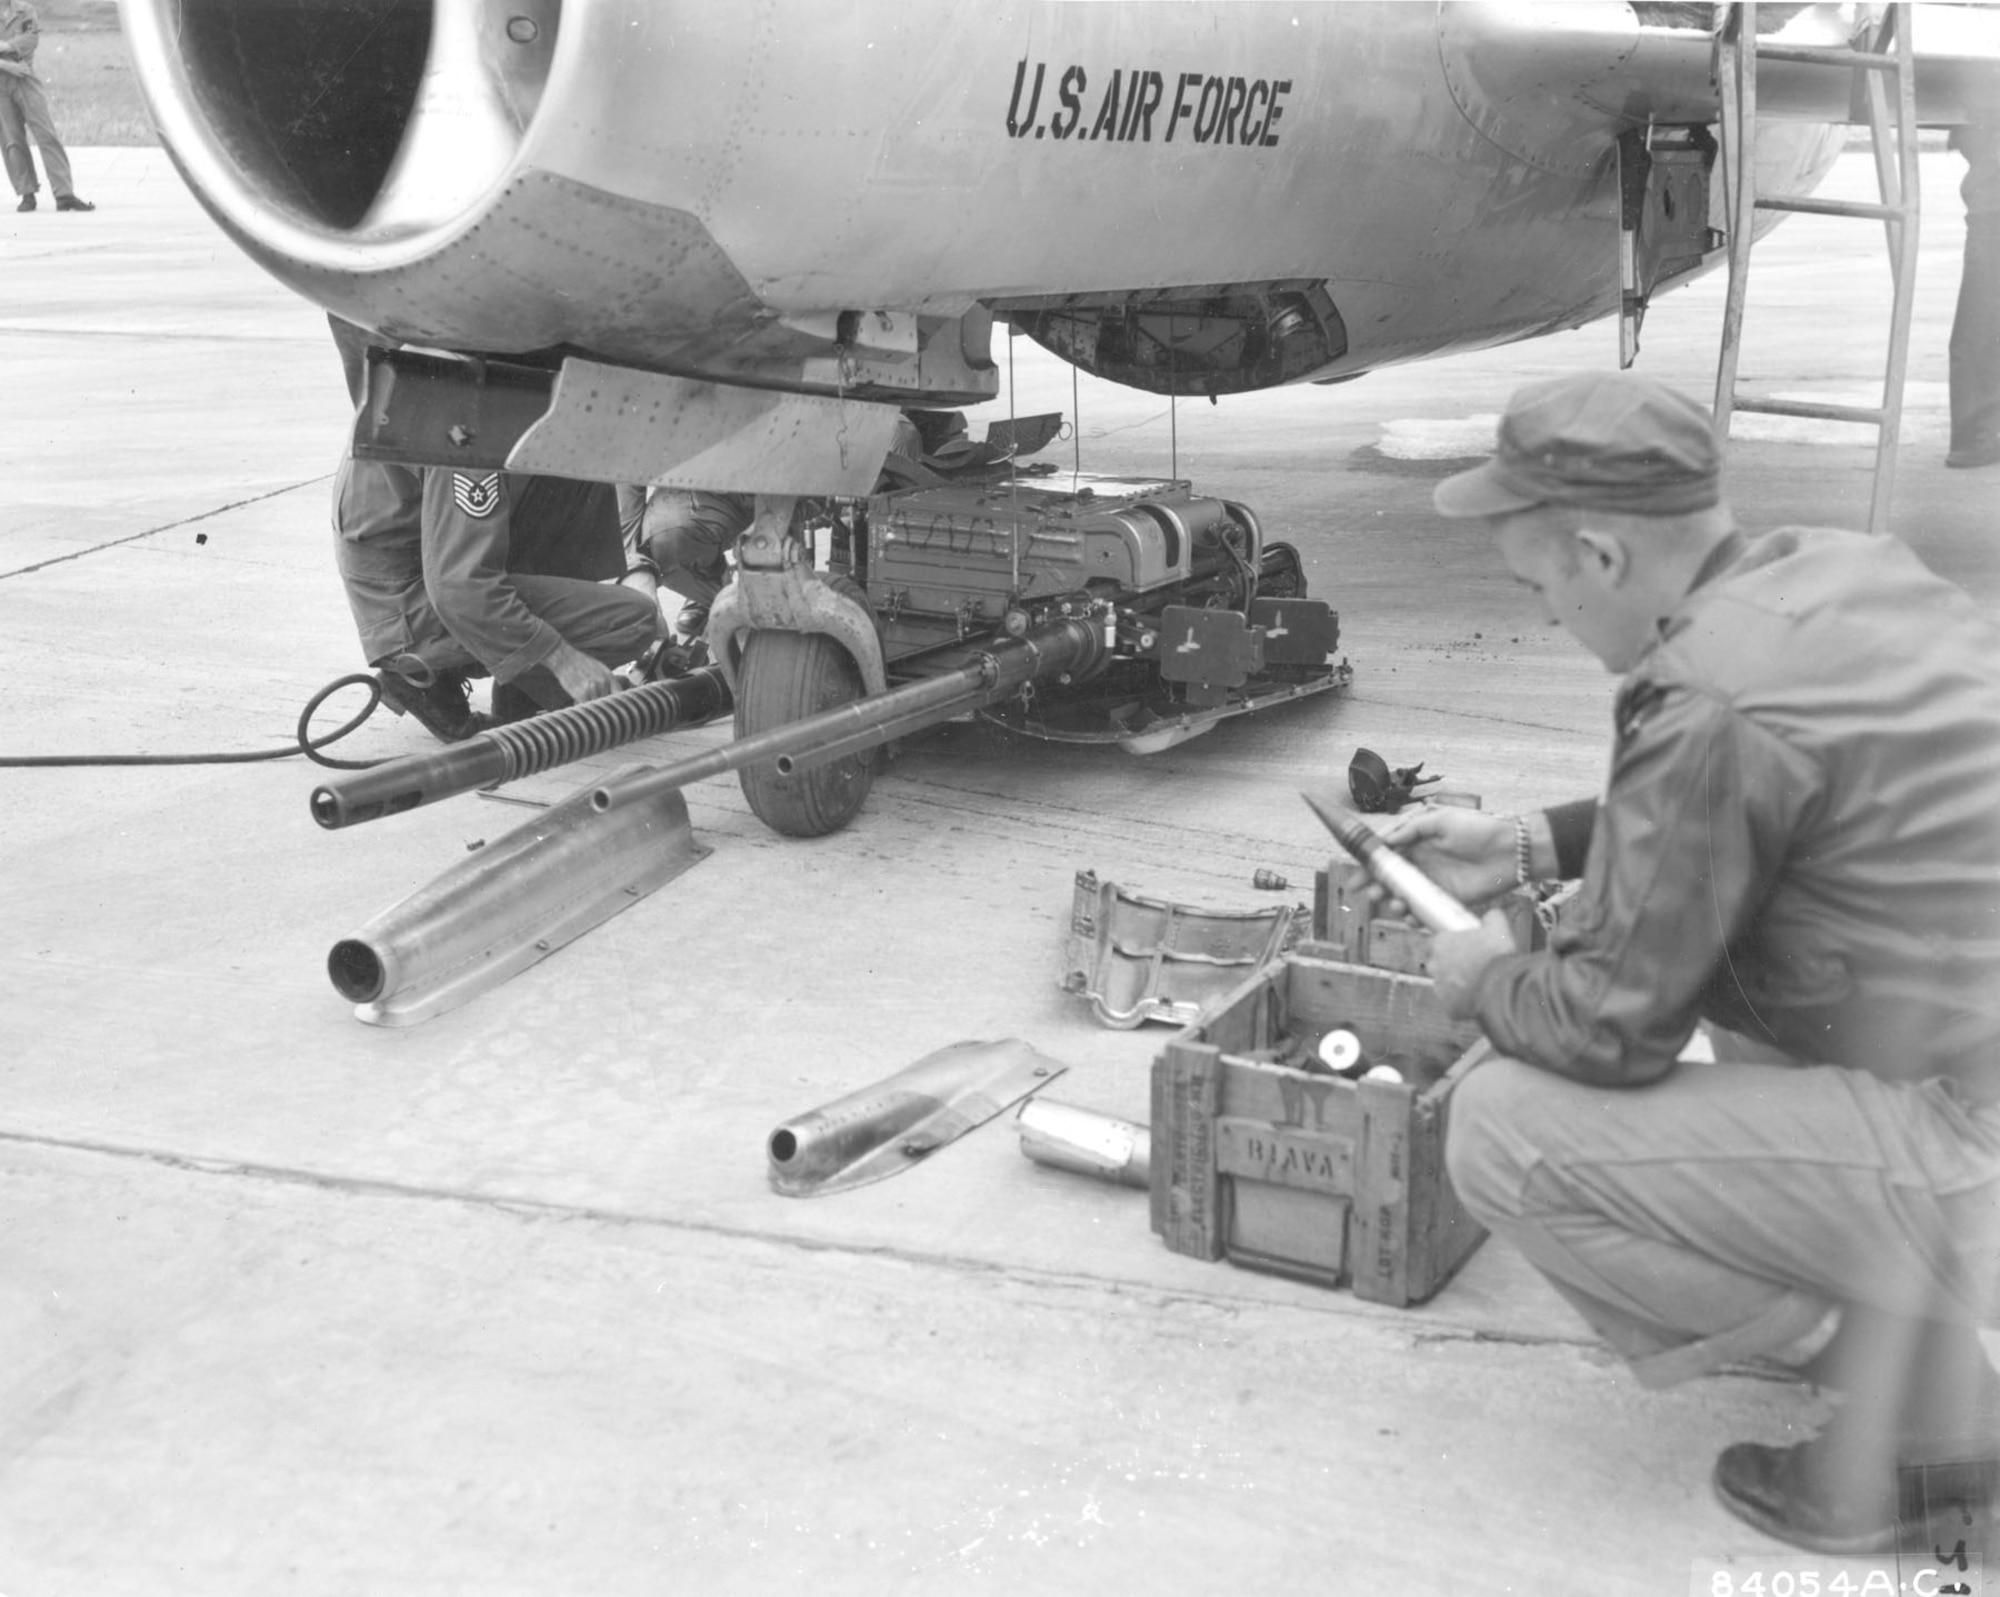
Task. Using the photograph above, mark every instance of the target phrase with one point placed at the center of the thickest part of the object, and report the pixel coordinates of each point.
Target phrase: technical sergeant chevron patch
(478, 497)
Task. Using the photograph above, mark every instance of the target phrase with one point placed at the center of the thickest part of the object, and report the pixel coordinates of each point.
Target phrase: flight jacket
(1800, 835)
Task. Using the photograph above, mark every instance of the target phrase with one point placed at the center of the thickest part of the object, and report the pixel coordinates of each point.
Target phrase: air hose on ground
(306, 744)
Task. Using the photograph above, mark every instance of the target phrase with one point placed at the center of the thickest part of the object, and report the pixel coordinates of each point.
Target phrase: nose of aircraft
(343, 122)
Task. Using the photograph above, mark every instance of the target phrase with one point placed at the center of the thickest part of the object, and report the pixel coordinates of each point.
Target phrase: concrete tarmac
(503, 1303)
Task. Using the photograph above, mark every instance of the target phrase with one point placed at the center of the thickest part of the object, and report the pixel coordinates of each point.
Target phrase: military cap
(1605, 440)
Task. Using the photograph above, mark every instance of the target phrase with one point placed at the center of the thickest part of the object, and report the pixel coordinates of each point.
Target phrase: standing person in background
(24, 113)
(1975, 325)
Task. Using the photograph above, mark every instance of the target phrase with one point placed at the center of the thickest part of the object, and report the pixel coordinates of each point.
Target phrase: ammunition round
(1340, 1050)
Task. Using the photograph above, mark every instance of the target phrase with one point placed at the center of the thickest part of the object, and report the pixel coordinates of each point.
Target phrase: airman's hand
(1469, 853)
(580, 676)
(1459, 959)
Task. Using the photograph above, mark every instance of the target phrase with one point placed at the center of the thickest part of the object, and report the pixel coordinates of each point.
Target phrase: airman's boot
(441, 707)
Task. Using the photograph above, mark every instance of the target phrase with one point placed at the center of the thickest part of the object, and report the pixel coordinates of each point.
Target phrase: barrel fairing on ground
(814, 196)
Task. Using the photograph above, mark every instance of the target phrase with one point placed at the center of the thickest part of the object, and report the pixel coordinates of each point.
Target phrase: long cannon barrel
(1059, 648)
(504, 753)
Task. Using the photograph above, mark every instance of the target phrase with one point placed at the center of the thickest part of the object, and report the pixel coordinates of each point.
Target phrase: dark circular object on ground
(356, 971)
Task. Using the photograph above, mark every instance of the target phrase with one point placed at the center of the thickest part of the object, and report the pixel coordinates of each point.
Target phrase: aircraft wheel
(785, 677)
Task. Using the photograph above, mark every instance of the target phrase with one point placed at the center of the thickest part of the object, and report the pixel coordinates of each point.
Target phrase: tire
(785, 677)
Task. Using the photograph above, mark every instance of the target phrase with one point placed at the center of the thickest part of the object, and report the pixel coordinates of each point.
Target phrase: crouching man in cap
(1799, 843)
(452, 574)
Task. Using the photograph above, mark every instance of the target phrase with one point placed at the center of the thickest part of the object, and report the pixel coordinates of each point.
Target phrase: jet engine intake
(311, 99)
(344, 116)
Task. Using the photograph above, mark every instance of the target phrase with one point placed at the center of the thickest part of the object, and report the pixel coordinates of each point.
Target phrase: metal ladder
(1885, 83)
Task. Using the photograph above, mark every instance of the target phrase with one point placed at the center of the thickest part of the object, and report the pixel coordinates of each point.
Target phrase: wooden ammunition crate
(1335, 1181)
(1341, 919)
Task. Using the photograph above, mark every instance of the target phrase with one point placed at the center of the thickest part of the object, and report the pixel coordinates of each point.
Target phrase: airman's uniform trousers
(686, 536)
(1975, 323)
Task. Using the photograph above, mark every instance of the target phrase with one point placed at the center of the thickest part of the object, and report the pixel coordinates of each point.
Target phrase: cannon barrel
(998, 668)
(503, 753)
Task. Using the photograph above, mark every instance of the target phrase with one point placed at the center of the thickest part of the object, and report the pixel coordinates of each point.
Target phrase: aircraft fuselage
(836, 197)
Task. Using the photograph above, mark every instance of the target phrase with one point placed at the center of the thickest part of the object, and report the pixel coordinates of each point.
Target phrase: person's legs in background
(33, 106)
(14, 146)
(1975, 349)
(688, 537)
